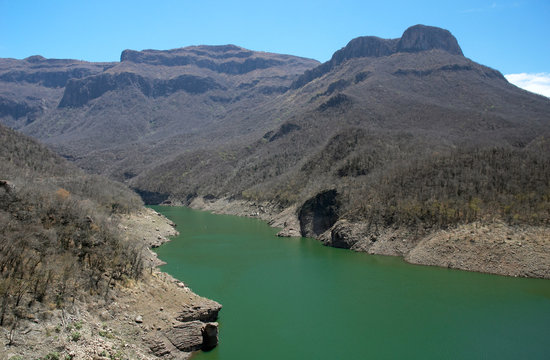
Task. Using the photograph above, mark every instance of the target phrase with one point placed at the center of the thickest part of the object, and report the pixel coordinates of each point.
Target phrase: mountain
(363, 111)
(33, 86)
(391, 138)
(151, 104)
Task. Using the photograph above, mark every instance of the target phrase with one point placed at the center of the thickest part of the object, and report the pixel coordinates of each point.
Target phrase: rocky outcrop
(32, 86)
(193, 336)
(421, 38)
(176, 57)
(341, 235)
(365, 46)
(206, 312)
(209, 336)
(415, 39)
(185, 322)
(80, 92)
(196, 329)
(47, 73)
(319, 213)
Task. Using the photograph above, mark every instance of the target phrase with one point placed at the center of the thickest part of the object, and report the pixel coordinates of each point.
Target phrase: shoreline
(493, 248)
(154, 317)
(192, 324)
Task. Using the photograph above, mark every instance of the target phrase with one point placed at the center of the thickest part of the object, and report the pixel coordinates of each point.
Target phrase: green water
(292, 298)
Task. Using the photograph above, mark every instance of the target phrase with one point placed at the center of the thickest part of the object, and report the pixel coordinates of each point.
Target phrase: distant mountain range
(226, 122)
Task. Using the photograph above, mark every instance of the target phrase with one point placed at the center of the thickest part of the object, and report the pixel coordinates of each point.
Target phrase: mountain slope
(159, 102)
(392, 138)
(73, 252)
(408, 104)
(384, 145)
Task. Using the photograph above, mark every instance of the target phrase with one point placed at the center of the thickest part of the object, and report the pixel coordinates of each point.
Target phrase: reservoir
(293, 298)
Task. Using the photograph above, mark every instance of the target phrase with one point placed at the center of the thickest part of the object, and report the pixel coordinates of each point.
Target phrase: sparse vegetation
(60, 240)
(389, 178)
(462, 186)
(106, 334)
(75, 336)
(52, 356)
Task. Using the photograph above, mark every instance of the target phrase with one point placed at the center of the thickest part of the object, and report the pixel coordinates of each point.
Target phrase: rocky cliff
(32, 86)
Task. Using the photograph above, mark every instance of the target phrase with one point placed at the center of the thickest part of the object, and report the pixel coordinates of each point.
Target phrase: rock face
(318, 213)
(193, 336)
(15, 109)
(422, 38)
(365, 46)
(50, 73)
(195, 329)
(210, 336)
(78, 92)
(31, 86)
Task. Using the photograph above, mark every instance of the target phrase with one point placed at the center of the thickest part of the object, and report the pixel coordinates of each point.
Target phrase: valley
(401, 147)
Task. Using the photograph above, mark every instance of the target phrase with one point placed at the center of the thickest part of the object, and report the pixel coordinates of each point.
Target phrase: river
(293, 298)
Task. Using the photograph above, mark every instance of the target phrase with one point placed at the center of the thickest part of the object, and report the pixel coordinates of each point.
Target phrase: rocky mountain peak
(366, 46)
(417, 38)
(422, 37)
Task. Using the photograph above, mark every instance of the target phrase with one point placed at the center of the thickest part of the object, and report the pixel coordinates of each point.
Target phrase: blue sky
(511, 36)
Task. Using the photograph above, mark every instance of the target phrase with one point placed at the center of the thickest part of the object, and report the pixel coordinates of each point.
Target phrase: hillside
(149, 106)
(396, 144)
(390, 139)
(367, 113)
(73, 254)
